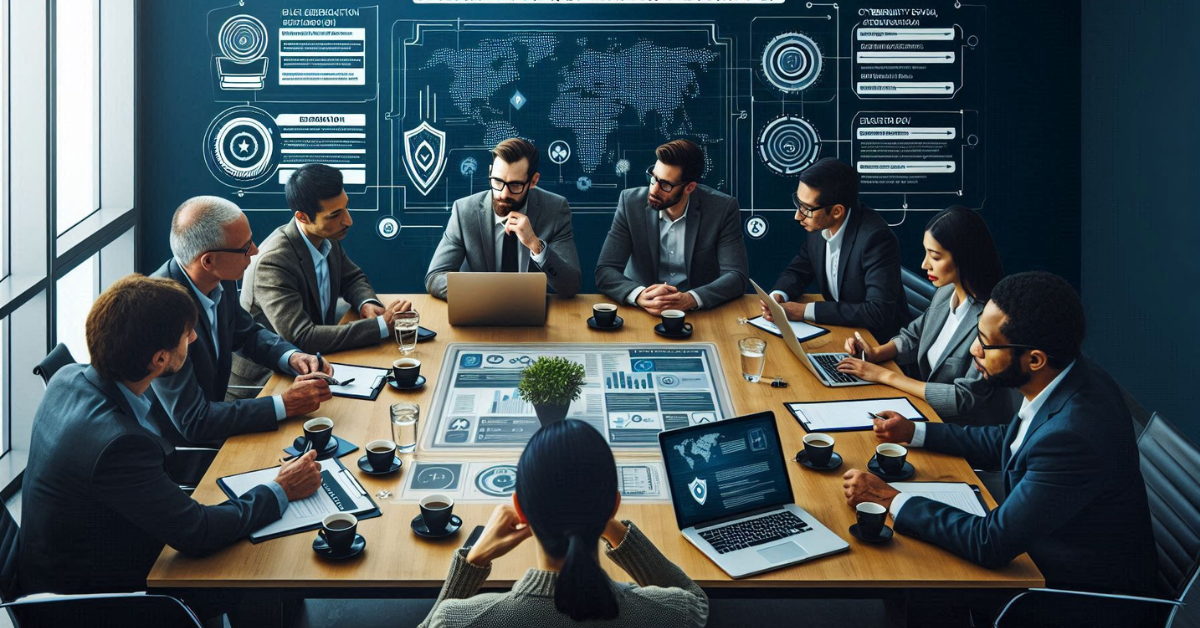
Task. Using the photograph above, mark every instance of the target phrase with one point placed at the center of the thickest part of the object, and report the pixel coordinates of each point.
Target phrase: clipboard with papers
(961, 495)
(849, 416)
(368, 381)
(340, 491)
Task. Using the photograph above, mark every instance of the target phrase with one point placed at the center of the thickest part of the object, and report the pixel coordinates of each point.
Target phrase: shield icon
(424, 156)
(699, 490)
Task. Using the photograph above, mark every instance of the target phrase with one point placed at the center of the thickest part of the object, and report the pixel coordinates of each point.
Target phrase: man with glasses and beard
(675, 244)
(513, 227)
(1076, 498)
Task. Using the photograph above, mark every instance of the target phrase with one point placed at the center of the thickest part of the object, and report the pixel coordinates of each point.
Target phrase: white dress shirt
(672, 257)
(523, 253)
(954, 319)
(833, 252)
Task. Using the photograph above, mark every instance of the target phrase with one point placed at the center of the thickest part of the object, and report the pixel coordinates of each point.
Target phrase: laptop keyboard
(753, 532)
(828, 363)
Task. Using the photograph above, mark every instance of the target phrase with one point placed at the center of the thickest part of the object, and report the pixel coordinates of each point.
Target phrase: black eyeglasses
(987, 347)
(663, 184)
(516, 187)
(805, 210)
(244, 251)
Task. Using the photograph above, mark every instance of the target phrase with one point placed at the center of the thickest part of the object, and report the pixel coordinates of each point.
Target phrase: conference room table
(397, 563)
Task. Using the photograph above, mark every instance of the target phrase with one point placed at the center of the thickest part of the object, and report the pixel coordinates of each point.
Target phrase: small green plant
(551, 381)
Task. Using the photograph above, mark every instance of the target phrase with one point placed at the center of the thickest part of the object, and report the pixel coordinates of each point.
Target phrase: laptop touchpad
(783, 552)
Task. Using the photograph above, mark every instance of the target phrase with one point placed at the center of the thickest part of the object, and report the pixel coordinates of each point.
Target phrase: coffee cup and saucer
(338, 537)
(674, 325)
(406, 374)
(818, 453)
(436, 520)
(381, 458)
(888, 463)
(604, 317)
(320, 432)
(871, 526)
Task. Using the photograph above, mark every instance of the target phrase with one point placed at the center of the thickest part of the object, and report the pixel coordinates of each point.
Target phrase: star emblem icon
(244, 146)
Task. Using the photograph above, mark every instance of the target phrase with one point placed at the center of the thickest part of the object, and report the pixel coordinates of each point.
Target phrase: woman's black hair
(965, 235)
(567, 489)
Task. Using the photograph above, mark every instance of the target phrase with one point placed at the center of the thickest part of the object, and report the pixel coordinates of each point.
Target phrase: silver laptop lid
(496, 299)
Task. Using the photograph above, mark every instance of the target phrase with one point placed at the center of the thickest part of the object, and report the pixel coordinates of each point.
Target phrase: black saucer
(300, 443)
(686, 333)
(885, 535)
(906, 472)
(418, 526)
(835, 461)
(616, 324)
(419, 383)
(321, 547)
(366, 467)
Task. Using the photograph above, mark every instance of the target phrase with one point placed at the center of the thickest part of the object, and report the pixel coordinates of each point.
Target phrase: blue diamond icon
(518, 100)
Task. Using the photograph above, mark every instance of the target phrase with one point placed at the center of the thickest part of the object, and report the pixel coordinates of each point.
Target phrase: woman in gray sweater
(566, 498)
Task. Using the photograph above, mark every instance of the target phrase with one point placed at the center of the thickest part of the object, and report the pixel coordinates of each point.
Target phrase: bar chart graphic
(628, 381)
(507, 402)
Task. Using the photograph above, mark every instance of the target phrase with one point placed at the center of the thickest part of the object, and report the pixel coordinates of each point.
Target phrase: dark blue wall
(1140, 267)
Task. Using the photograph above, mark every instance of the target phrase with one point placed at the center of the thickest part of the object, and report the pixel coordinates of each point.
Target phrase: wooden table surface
(397, 558)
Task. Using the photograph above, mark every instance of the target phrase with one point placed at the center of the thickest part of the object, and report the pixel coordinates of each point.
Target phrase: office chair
(55, 360)
(919, 292)
(1170, 465)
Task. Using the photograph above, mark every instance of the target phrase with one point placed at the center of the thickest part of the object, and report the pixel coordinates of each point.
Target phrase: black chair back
(9, 547)
(918, 290)
(55, 360)
(1171, 467)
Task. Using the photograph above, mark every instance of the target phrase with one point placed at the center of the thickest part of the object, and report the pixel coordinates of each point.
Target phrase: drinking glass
(404, 425)
(406, 325)
(754, 358)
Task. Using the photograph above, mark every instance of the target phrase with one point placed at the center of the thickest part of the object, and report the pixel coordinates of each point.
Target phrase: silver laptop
(822, 365)
(496, 299)
(733, 498)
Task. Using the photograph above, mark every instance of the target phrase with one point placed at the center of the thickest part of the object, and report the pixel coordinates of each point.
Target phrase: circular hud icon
(791, 62)
(239, 147)
(497, 481)
(787, 145)
(243, 38)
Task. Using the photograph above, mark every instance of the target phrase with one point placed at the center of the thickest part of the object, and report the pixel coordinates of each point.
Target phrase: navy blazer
(96, 500)
(870, 292)
(1076, 499)
(194, 398)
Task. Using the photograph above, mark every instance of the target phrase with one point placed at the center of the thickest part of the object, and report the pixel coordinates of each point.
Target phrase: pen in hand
(320, 363)
(862, 354)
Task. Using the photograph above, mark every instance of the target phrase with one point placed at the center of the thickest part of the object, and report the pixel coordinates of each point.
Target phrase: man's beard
(670, 201)
(503, 208)
(1010, 377)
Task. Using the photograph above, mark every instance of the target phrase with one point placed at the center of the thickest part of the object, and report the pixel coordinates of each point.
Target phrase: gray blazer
(98, 505)
(955, 388)
(468, 243)
(280, 292)
(715, 255)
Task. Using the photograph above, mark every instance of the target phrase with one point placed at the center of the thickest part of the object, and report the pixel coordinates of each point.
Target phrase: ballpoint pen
(321, 361)
(862, 354)
(875, 416)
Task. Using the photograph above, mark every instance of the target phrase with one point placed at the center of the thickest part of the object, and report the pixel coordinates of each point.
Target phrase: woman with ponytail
(567, 498)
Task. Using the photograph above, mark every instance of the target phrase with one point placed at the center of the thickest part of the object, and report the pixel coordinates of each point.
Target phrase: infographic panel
(496, 480)
(633, 391)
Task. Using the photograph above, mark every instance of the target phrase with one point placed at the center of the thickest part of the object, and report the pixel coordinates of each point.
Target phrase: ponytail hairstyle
(964, 234)
(567, 489)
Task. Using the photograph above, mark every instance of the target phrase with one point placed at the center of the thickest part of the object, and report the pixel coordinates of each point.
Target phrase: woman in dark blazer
(963, 263)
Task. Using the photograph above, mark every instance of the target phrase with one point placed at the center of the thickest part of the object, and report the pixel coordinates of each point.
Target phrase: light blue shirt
(672, 254)
(140, 405)
(320, 259)
(209, 303)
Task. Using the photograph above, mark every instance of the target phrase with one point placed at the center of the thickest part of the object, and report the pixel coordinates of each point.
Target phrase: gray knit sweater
(664, 597)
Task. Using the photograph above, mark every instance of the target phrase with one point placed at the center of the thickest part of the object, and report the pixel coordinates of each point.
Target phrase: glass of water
(404, 425)
(406, 325)
(754, 357)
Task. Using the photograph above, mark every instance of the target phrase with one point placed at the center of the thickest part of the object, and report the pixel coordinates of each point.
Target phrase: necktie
(508, 254)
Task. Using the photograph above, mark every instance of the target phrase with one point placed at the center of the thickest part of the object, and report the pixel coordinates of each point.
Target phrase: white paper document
(339, 492)
(957, 494)
(366, 380)
(803, 330)
(833, 416)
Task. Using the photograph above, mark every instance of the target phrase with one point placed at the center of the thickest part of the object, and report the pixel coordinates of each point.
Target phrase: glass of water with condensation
(406, 325)
(404, 425)
(754, 357)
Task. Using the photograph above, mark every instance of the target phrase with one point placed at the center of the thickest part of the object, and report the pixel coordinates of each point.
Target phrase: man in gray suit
(293, 284)
(675, 244)
(513, 227)
(98, 504)
(212, 245)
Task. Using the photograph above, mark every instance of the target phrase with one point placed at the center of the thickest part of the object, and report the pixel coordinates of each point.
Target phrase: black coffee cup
(406, 371)
(339, 530)
(318, 432)
(871, 517)
(891, 458)
(673, 321)
(818, 448)
(436, 511)
(381, 454)
(605, 314)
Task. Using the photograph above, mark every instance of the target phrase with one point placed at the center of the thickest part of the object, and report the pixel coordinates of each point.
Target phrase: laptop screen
(725, 468)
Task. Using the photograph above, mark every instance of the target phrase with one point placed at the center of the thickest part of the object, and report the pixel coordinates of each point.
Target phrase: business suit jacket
(870, 291)
(97, 503)
(469, 242)
(280, 291)
(714, 253)
(1076, 499)
(193, 398)
(954, 388)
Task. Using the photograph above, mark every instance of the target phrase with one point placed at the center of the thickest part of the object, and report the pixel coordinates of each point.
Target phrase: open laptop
(496, 299)
(822, 365)
(733, 498)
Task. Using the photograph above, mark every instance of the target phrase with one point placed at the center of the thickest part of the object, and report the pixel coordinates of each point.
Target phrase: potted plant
(551, 384)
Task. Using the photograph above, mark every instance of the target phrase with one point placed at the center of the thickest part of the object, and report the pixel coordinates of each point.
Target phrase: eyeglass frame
(663, 184)
(987, 347)
(244, 251)
(803, 209)
(508, 184)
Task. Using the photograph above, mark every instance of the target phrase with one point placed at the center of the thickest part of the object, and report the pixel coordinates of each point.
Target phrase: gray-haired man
(211, 245)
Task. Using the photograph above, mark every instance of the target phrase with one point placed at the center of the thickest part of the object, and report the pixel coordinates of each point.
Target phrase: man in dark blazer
(1076, 498)
(293, 284)
(674, 244)
(851, 252)
(98, 505)
(513, 227)
(212, 245)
